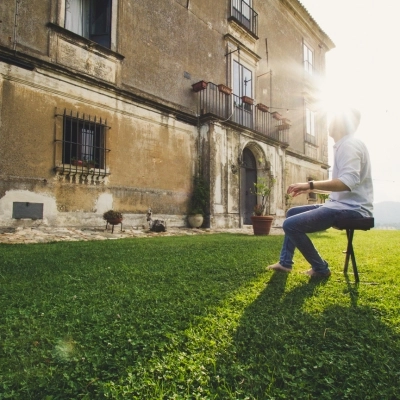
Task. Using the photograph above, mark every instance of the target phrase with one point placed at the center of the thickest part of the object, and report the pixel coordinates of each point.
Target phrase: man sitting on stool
(351, 196)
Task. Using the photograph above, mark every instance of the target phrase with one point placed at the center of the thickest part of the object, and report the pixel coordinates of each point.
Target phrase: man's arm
(333, 185)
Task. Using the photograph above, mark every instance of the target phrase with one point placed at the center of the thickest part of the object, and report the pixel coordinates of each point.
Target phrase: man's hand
(296, 189)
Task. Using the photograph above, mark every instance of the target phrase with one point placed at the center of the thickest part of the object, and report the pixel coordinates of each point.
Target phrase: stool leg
(350, 253)
(349, 233)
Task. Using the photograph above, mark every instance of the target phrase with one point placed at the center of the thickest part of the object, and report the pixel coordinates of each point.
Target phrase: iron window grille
(83, 144)
(90, 19)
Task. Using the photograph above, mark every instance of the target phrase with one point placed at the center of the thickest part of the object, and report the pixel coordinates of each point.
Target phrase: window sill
(80, 54)
(81, 174)
(83, 42)
(238, 25)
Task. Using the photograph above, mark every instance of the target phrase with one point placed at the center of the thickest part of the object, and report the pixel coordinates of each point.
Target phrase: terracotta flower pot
(262, 107)
(262, 224)
(224, 89)
(276, 115)
(247, 100)
(198, 86)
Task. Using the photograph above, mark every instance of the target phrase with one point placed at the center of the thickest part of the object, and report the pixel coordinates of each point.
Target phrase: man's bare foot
(279, 267)
(316, 274)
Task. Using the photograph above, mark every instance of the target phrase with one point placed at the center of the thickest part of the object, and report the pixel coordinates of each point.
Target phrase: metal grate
(83, 143)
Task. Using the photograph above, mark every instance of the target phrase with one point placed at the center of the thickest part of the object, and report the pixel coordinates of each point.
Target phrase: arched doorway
(248, 177)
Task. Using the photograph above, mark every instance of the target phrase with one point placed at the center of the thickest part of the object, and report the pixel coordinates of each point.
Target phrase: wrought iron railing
(245, 15)
(216, 101)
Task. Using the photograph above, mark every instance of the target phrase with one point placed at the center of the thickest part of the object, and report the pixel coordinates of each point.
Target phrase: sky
(363, 71)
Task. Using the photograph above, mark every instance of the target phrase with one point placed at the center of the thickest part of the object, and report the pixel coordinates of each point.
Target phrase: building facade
(121, 103)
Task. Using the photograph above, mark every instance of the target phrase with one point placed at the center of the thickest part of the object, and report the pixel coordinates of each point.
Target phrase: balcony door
(242, 86)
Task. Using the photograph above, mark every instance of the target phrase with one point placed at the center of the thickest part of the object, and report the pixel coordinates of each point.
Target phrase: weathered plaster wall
(151, 162)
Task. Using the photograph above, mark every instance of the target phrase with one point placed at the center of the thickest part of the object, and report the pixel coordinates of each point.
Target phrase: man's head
(344, 122)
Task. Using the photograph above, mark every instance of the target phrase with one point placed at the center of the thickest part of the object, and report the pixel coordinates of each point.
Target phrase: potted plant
(198, 202)
(76, 162)
(89, 163)
(224, 89)
(262, 107)
(323, 197)
(276, 115)
(261, 222)
(113, 218)
(199, 86)
(247, 100)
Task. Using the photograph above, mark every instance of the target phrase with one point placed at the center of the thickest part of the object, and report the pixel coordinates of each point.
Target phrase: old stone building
(120, 103)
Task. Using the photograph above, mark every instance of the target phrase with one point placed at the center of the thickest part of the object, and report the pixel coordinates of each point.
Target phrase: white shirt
(353, 167)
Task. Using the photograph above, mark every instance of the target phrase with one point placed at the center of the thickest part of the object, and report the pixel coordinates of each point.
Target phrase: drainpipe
(15, 25)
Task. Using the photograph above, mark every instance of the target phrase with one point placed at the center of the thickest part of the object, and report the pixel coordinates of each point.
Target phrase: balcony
(215, 103)
(244, 15)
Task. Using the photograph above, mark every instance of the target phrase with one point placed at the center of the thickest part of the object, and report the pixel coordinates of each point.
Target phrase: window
(308, 59)
(310, 126)
(83, 142)
(90, 19)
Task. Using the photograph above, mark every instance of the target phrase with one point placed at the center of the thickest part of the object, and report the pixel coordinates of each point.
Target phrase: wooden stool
(363, 224)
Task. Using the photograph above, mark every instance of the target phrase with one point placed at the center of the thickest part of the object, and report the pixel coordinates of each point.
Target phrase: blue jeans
(308, 219)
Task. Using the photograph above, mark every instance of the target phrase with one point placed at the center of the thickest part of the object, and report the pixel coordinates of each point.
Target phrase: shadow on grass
(80, 316)
(285, 348)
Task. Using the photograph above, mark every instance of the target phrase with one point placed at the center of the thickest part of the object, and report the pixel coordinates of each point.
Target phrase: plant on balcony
(276, 115)
(283, 127)
(262, 107)
(224, 89)
(247, 100)
(199, 86)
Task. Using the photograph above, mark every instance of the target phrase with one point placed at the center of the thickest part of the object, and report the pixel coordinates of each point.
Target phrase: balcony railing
(238, 110)
(245, 15)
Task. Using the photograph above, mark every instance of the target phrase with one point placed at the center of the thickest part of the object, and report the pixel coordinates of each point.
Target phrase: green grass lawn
(198, 317)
